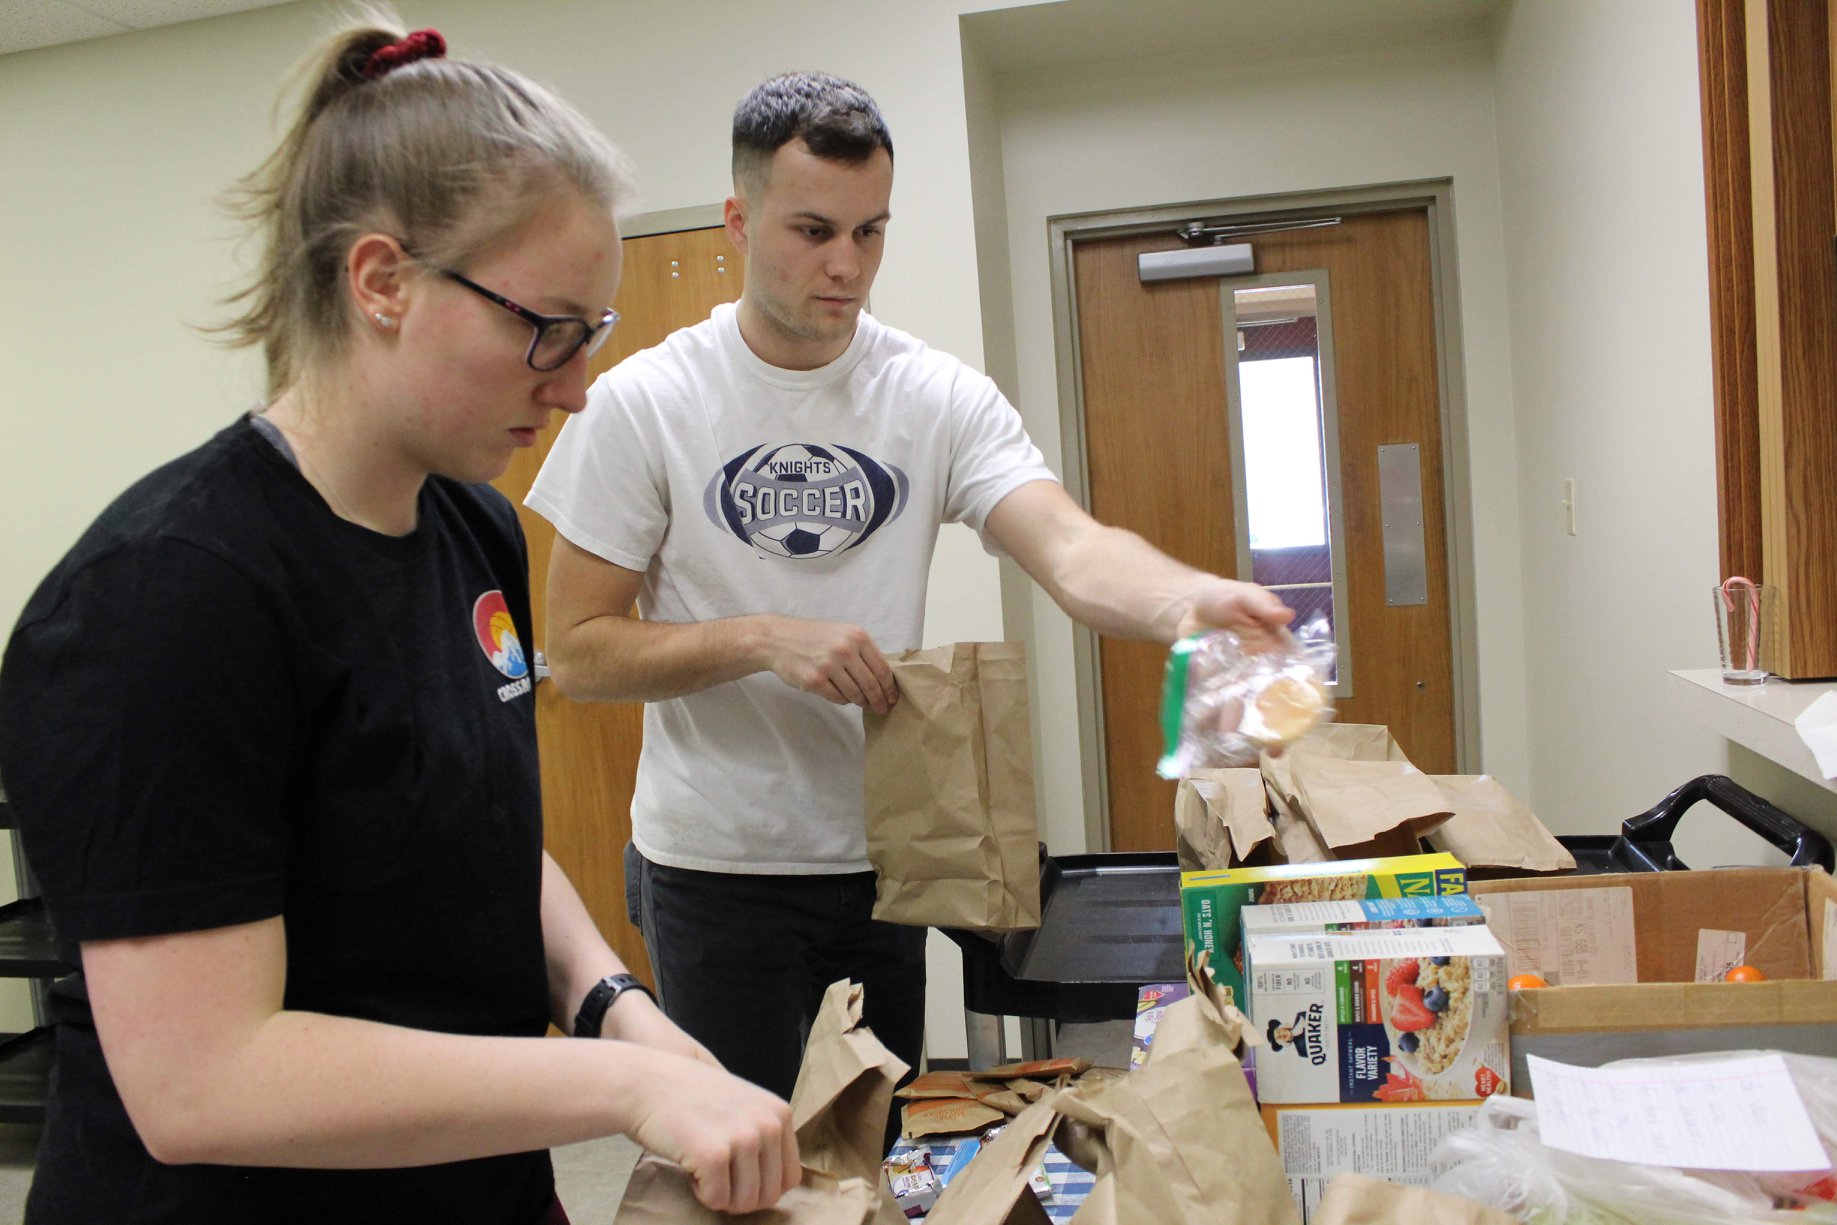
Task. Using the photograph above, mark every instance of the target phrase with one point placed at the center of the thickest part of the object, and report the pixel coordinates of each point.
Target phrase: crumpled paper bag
(1365, 809)
(1177, 1140)
(1221, 819)
(1492, 829)
(1351, 742)
(839, 1109)
(951, 830)
(1359, 1199)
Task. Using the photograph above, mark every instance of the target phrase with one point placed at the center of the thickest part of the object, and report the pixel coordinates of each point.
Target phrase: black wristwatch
(593, 1009)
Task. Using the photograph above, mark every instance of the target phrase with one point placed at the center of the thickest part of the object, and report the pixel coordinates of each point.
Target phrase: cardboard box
(1300, 918)
(1392, 1015)
(1316, 1143)
(1782, 920)
(1210, 901)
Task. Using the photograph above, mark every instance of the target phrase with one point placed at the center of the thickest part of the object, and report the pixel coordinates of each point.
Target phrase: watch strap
(592, 1014)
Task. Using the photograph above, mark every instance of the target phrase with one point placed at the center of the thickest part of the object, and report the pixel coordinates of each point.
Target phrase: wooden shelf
(1757, 717)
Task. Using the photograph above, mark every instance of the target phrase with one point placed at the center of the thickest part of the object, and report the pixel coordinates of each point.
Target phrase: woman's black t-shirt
(227, 704)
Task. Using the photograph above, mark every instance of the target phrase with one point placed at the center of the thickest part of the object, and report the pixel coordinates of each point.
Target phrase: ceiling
(25, 24)
(1035, 37)
(1019, 38)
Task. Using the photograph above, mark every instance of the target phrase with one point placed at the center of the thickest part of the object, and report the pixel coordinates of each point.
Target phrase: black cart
(1110, 923)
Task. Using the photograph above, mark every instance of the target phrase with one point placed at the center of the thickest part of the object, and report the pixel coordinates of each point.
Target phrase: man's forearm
(1116, 583)
(623, 659)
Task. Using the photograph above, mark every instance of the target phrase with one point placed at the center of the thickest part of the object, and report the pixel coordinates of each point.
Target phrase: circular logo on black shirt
(497, 635)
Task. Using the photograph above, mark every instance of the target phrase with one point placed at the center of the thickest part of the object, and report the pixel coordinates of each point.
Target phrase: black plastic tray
(1108, 924)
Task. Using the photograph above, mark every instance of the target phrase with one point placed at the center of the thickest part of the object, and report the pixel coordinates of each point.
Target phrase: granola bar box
(1210, 900)
(1391, 1015)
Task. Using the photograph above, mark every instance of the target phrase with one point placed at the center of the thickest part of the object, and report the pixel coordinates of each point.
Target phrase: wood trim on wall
(1788, 315)
(1799, 496)
(1721, 53)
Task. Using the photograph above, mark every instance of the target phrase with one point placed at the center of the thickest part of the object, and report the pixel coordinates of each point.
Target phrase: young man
(768, 486)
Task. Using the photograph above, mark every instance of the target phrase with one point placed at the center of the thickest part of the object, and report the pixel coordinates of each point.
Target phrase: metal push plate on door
(1406, 563)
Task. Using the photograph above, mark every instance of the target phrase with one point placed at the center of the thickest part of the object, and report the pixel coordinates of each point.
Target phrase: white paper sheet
(1817, 727)
(1741, 1113)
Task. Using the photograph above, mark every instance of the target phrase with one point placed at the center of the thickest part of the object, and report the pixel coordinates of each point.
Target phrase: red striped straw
(1728, 602)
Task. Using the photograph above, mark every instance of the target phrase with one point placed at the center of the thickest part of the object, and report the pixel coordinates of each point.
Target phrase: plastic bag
(1222, 703)
(1502, 1162)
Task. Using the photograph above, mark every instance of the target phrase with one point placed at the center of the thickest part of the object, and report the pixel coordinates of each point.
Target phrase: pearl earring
(383, 321)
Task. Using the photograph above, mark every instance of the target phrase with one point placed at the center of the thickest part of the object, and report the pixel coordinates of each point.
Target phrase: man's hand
(734, 1139)
(1255, 614)
(831, 659)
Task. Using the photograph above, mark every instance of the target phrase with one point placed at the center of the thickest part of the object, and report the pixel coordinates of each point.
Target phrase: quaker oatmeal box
(1390, 1015)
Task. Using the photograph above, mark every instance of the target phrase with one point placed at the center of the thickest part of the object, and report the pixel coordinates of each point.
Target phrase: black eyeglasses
(558, 337)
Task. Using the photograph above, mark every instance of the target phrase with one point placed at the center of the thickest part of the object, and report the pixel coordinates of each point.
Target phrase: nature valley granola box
(1392, 1015)
(1210, 900)
(1305, 918)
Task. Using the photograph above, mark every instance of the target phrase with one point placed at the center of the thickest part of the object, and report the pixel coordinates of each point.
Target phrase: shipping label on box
(1210, 901)
(1399, 1015)
(1567, 937)
(1301, 918)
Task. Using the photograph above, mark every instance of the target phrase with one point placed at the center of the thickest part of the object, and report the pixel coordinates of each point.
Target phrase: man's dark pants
(742, 962)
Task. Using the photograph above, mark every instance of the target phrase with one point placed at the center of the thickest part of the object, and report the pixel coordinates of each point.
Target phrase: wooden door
(1158, 454)
(590, 749)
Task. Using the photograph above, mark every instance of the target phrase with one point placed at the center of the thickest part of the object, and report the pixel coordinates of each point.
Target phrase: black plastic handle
(1646, 839)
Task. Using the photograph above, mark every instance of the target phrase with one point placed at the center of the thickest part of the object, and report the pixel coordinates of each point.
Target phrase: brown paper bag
(951, 830)
(1491, 829)
(659, 1193)
(1177, 1140)
(1296, 841)
(1180, 1138)
(1351, 742)
(1359, 1199)
(992, 1189)
(844, 1089)
(1221, 820)
(839, 1108)
(1362, 809)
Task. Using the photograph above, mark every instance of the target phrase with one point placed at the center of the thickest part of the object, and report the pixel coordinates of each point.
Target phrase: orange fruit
(1524, 982)
(1744, 974)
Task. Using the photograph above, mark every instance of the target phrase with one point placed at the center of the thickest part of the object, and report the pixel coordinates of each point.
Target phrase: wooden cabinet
(1766, 71)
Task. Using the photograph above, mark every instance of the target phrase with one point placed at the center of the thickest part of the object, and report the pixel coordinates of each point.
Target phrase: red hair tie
(421, 45)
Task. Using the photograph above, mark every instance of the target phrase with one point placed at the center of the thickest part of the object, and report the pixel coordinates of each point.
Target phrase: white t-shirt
(736, 487)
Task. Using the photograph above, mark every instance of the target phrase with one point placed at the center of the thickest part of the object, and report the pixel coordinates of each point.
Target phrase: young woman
(269, 730)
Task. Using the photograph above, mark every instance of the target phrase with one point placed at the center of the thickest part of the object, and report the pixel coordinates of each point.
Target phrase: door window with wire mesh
(1285, 435)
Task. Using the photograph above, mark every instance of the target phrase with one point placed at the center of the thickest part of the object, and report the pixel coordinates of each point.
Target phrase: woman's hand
(734, 1139)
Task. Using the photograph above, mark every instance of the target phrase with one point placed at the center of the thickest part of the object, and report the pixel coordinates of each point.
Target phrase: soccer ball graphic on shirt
(805, 500)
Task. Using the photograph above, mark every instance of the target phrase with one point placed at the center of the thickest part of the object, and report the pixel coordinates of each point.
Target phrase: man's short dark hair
(835, 119)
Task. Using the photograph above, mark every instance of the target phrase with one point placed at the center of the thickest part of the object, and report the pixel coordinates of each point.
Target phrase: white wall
(1164, 131)
(114, 149)
(1606, 256)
